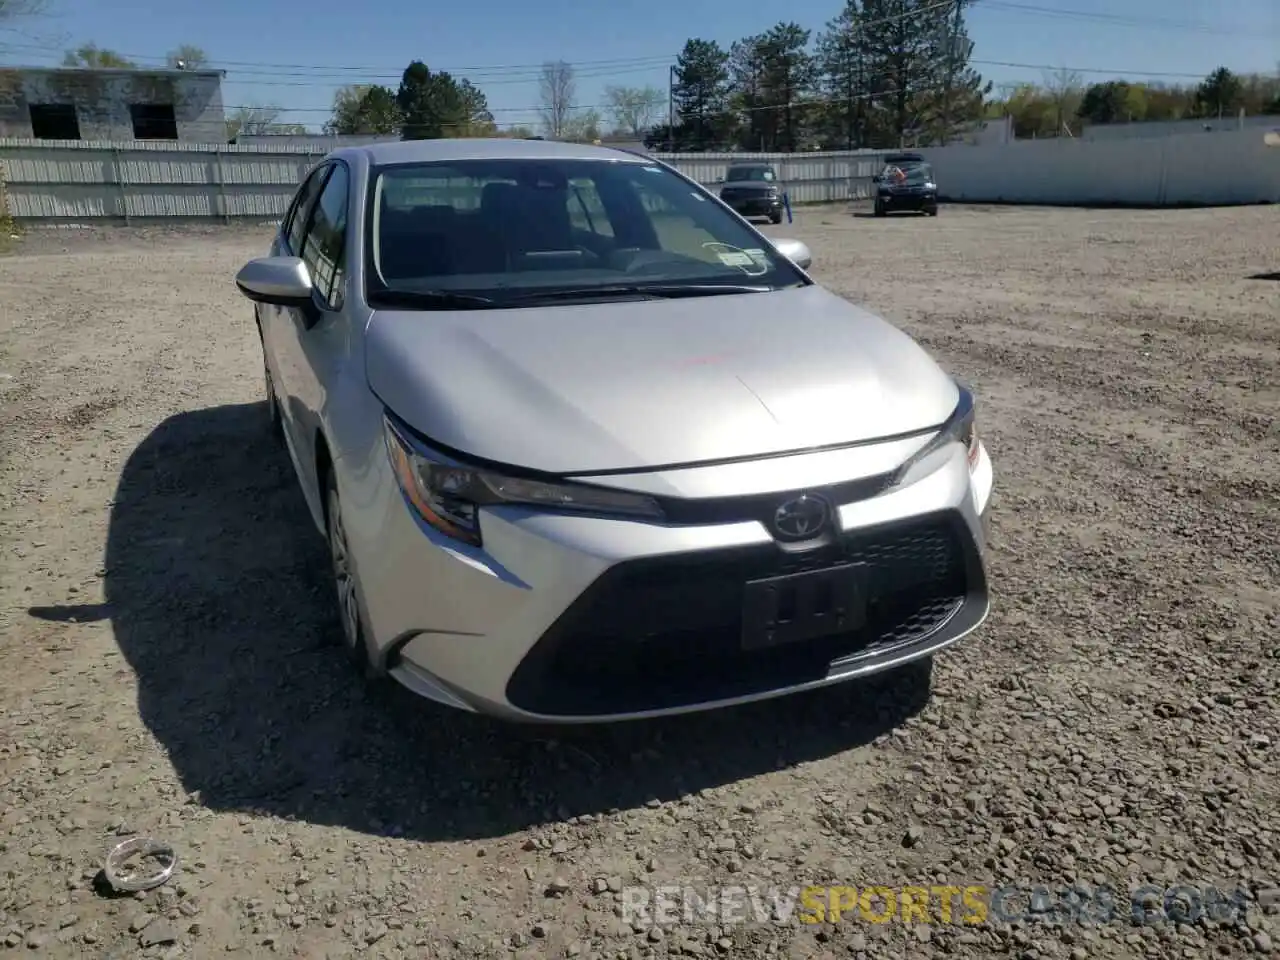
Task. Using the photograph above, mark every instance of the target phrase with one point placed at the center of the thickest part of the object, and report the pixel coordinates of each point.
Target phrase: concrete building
(76, 103)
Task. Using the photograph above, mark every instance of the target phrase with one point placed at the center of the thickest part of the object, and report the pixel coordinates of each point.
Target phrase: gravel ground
(168, 666)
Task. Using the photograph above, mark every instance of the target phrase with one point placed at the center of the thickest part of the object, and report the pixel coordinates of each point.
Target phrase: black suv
(752, 189)
(906, 183)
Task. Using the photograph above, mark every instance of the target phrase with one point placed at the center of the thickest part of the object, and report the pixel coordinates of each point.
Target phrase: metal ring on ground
(122, 853)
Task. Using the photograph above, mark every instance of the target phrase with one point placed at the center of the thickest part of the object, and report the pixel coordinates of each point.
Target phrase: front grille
(761, 196)
(665, 632)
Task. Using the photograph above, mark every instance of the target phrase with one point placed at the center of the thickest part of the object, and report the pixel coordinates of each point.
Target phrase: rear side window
(302, 208)
(325, 241)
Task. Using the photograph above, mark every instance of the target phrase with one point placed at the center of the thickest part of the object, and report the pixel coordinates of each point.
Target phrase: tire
(350, 620)
(932, 211)
(879, 212)
(275, 424)
(775, 218)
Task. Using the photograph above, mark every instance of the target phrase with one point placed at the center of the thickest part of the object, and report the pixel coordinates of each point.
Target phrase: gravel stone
(168, 668)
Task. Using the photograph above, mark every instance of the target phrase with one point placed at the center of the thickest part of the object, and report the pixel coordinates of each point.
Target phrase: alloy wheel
(344, 578)
(273, 406)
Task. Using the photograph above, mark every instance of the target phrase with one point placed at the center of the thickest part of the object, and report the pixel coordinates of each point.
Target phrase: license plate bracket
(803, 606)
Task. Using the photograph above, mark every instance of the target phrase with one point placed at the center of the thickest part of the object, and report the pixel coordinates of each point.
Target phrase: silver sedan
(588, 446)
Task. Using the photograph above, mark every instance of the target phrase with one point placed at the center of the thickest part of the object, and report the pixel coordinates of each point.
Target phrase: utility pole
(671, 109)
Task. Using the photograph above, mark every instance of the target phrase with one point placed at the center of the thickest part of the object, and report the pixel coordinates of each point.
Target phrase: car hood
(641, 384)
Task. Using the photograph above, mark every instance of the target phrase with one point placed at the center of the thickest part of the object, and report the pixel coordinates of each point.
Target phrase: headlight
(961, 427)
(448, 495)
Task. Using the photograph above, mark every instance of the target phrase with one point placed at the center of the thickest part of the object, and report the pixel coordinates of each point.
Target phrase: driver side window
(301, 213)
(325, 240)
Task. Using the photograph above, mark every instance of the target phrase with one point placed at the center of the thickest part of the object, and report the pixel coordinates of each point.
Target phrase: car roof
(751, 164)
(480, 148)
(904, 158)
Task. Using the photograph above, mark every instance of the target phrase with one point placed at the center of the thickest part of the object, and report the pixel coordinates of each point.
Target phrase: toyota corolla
(587, 446)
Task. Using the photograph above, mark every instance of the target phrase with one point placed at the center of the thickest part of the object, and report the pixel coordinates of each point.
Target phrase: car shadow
(1264, 276)
(216, 586)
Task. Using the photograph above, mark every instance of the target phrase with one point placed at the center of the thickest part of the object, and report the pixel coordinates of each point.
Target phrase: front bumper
(908, 201)
(570, 619)
(763, 206)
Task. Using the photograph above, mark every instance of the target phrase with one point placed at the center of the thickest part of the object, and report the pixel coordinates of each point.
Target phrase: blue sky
(293, 54)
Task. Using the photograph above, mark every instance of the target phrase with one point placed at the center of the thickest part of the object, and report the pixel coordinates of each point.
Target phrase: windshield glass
(501, 229)
(750, 173)
(909, 172)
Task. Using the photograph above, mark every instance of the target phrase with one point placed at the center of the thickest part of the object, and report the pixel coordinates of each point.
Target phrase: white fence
(1218, 169)
(80, 181)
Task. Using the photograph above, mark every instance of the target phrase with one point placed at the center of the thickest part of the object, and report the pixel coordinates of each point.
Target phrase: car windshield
(911, 171)
(758, 174)
(506, 230)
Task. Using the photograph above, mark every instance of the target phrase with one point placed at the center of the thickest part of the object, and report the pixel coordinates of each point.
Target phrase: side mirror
(795, 251)
(280, 281)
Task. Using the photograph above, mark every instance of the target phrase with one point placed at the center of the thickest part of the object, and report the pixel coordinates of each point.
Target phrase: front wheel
(775, 218)
(879, 212)
(273, 408)
(344, 580)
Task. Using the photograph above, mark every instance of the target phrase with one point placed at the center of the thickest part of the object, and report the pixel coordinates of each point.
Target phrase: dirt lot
(167, 666)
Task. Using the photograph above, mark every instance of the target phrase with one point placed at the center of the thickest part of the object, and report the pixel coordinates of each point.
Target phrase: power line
(596, 73)
(1118, 74)
(1114, 19)
(810, 101)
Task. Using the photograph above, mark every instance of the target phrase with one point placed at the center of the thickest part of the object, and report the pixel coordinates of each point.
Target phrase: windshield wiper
(443, 299)
(665, 291)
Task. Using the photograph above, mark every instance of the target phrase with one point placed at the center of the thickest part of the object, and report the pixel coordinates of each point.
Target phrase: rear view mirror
(281, 281)
(795, 251)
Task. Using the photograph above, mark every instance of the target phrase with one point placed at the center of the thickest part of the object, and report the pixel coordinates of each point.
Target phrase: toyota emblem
(803, 518)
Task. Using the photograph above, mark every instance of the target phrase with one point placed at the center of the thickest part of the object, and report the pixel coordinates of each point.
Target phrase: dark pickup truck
(752, 189)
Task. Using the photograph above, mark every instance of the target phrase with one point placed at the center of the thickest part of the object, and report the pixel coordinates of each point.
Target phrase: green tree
(584, 126)
(917, 55)
(788, 76)
(364, 108)
(748, 95)
(479, 119)
(633, 109)
(1106, 102)
(91, 55)
(842, 78)
(257, 120)
(701, 94)
(1034, 115)
(187, 57)
(436, 105)
(1219, 94)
